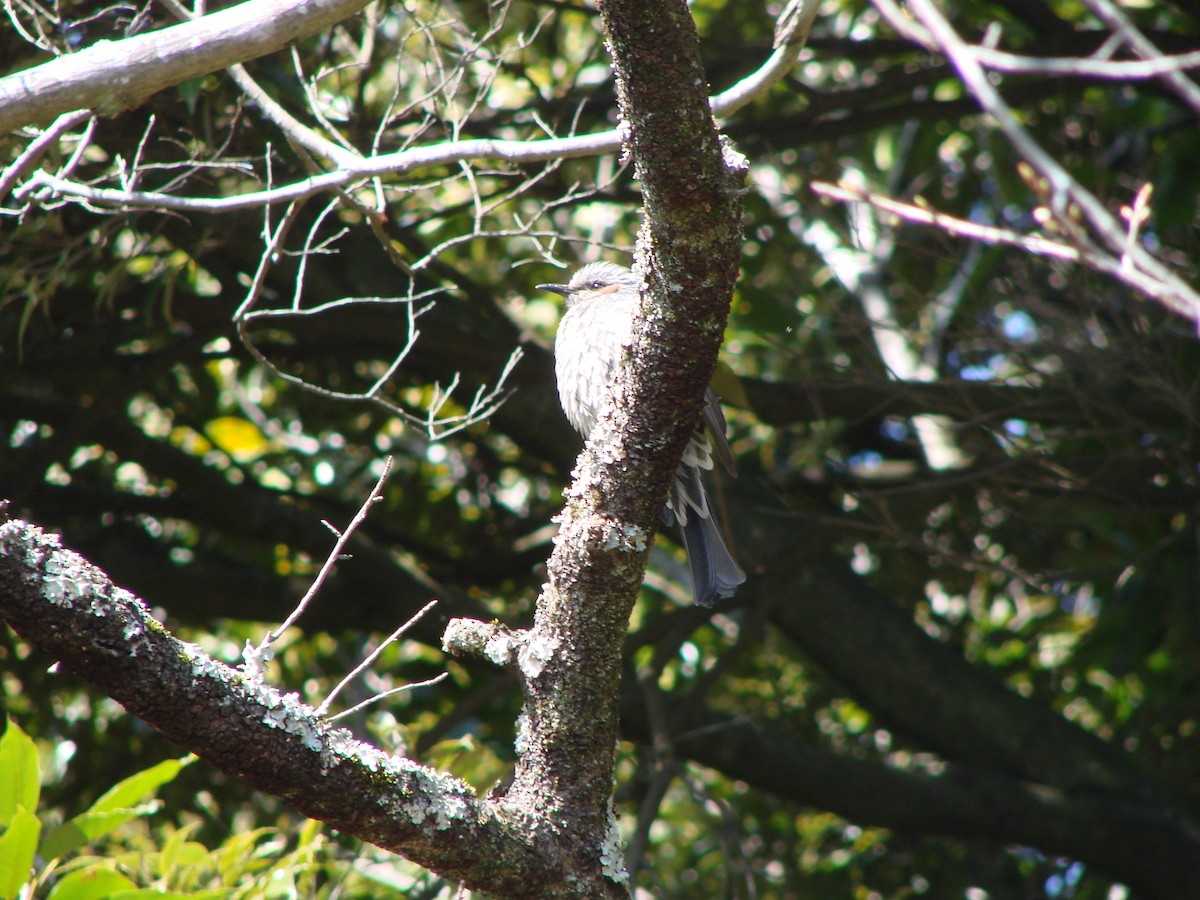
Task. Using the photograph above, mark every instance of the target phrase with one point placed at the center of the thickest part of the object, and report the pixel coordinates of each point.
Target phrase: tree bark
(69, 609)
(112, 76)
(569, 663)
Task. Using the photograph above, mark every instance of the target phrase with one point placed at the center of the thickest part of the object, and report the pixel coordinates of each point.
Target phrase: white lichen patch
(446, 797)
(733, 158)
(428, 793)
(521, 741)
(254, 660)
(289, 713)
(620, 536)
(612, 856)
(61, 584)
(204, 667)
(500, 648)
(65, 579)
(538, 651)
(132, 626)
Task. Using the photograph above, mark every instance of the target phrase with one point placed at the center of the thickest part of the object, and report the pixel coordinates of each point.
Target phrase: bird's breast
(590, 345)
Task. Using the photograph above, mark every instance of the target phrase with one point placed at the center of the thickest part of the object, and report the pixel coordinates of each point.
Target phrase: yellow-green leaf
(238, 437)
(20, 778)
(18, 845)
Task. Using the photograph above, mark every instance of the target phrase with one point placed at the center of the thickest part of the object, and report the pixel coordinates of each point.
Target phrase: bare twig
(287, 123)
(254, 656)
(1087, 67)
(1105, 245)
(790, 37)
(1124, 28)
(273, 239)
(1098, 65)
(924, 215)
(428, 682)
(150, 62)
(353, 170)
(1136, 215)
(402, 162)
(31, 154)
(374, 655)
(485, 402)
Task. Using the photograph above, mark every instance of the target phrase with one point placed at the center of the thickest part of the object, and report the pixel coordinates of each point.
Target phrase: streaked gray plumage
(602, 300)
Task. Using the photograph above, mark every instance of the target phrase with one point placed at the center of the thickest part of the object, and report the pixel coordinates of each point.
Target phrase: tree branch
(1151, 848)
(569, 661)
(112, 76)
(70, 610)
(1115, 254)
(36, 94)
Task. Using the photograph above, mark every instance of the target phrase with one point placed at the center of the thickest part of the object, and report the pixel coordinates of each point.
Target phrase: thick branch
(690, 244)
(564, 772)
(112, 76)
(1149, 846)
(824, 397)
(927, 691)
(70, 610)
(66, 87)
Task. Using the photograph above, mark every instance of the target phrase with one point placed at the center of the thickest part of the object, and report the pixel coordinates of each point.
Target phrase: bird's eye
(596, 285)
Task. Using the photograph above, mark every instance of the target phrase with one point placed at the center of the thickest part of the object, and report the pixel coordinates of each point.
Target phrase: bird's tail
(715, 573)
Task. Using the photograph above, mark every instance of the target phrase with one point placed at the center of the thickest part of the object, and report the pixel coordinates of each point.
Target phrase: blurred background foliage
(1058, 553)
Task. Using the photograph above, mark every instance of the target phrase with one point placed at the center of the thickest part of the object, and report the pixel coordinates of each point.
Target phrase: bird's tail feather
(715, 573)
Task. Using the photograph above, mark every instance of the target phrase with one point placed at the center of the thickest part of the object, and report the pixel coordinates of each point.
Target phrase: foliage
(110, 850)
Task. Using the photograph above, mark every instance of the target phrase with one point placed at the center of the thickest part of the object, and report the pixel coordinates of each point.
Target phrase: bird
(601, 304)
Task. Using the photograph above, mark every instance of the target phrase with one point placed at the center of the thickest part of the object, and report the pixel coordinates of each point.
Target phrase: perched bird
(602, 300)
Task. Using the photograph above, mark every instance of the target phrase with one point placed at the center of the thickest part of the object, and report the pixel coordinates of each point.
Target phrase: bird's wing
(714, 421)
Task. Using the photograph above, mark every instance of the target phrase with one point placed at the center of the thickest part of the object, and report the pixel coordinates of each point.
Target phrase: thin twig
(437, 679)
(923, 215)
(357, 670)
(37, 147)
(353, 169)
(335, 556)
(1123, 27)
(1135, 266)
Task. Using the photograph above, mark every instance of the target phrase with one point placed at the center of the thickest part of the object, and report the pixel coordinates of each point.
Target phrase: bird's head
(596, 280)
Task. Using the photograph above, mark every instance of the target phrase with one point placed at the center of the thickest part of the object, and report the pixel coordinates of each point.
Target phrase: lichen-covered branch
(72, 612)
(690, 248)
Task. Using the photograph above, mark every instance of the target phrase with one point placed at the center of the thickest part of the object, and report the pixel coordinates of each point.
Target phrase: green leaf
(20, 779)
(87, 827)
(179, 852)
(127, 793)
(94, 883)
(118, 805)
(18, 845)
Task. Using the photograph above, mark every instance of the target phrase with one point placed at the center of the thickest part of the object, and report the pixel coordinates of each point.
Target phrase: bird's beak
(562, 289)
